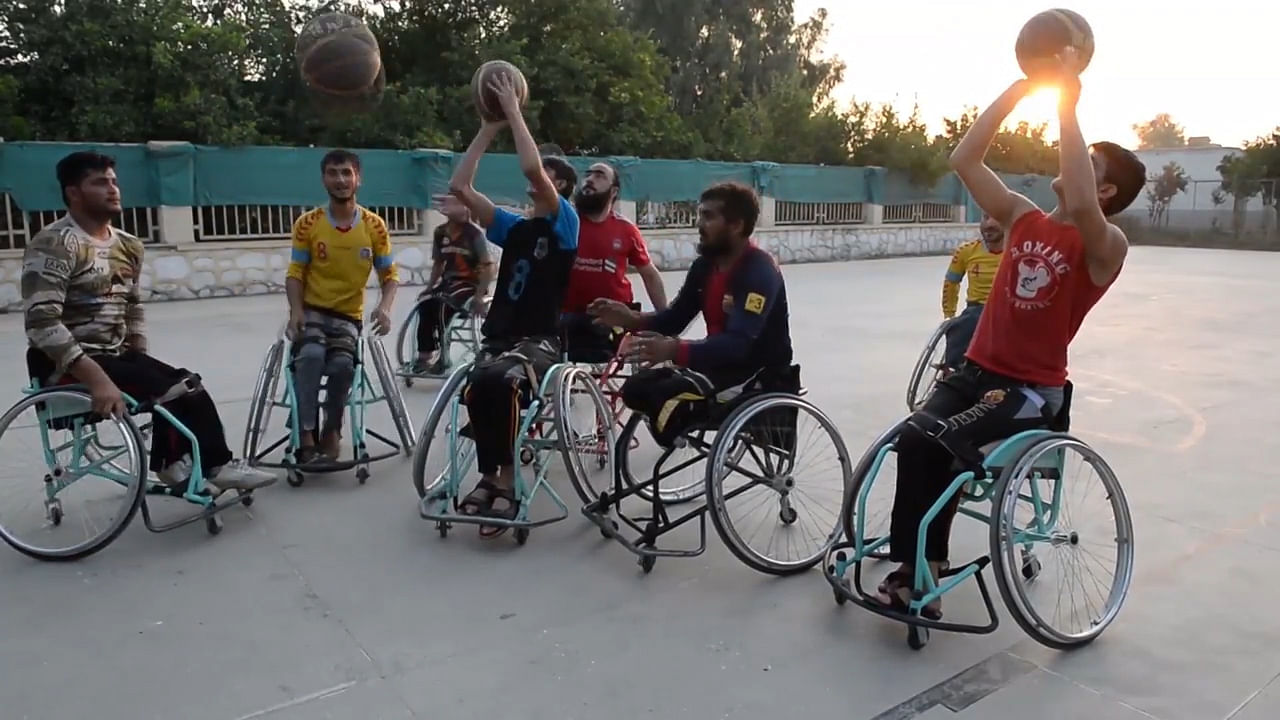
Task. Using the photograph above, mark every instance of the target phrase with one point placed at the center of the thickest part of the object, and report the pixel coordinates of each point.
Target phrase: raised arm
(968, 160)
(462, 184)
(1105, 245)
(546, 199)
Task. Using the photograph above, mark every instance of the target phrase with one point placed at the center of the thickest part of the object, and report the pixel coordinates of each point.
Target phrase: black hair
(1124, 170)
(74, 168)
(340, 157)
(738, 202)
(563, 172)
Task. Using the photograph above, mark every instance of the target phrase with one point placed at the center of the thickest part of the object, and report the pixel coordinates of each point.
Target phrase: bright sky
(1211, 65)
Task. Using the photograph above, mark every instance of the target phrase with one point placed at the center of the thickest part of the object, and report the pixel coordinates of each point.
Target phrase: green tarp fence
(182, 174)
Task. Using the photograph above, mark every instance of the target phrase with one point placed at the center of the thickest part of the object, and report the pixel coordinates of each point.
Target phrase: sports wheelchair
(1025, 478)
(76, 443)
(268, 394)
(546, 428)
(760, 425)
(930, 367)
(460, 341)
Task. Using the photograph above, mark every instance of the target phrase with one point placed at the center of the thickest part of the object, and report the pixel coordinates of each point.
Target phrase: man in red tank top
(1055, 268)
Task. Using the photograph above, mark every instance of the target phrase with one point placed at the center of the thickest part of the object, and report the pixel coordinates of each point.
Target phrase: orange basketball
(1049, 33)
(339, 59)
(485, 99)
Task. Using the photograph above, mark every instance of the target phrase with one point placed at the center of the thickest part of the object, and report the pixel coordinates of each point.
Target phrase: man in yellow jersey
(334, 249)
(977, 259)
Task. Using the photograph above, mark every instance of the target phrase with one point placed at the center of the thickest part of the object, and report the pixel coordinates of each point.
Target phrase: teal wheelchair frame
(268, 394)
(463, 330)
(544, 430)
(91, 458)
(1036, 456)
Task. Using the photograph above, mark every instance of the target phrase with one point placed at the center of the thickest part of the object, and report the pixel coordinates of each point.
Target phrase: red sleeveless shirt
(1040, 295)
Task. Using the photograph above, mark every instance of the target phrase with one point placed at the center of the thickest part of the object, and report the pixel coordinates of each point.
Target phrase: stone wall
(204, 270)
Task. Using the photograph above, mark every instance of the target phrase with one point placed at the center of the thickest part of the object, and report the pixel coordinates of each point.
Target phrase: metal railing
(786, 212)
(237, 223)
(658, 215)
(926, 212)
(17, 226)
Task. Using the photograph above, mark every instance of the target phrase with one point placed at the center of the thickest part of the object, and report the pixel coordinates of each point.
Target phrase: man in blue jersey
(521, 331)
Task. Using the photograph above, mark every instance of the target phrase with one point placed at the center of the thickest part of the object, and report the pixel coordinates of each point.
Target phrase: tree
(1021, 150)
(1251, 173)
(883, 138)
(1160, 132)
(1170, 181)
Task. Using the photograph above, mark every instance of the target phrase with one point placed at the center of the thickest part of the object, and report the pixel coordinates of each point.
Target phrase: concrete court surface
(337, 601)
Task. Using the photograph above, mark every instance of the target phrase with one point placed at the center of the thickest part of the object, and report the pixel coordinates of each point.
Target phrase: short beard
(591, 203)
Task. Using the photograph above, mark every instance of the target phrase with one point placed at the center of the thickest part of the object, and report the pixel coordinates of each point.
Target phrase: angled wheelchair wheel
(929, 368)
(776, 508)
(868, 502)
(407, 343)
(261, 402)
(391, 391)
(59, 500)
(587, 431)
(435, 465)
(681, 470)
(1041, 526)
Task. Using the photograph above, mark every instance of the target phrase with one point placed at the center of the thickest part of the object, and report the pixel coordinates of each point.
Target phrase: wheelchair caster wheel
(608, 534)
(526, 456)
(408, 382)
(246, 499)
(443, 528)
(788, 515)
(917, 637)
(295, 478)
(55, 515)
(213, 524)
(840, 598)
(647, 562)
(362, 475)
(522, 536)
(1030, 566)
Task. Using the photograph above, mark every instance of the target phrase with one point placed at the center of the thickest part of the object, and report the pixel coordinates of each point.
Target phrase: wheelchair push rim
(789, 482)
(465, 447)
(67, 458)
(928, 366)
(574, 387)
(1025, 545)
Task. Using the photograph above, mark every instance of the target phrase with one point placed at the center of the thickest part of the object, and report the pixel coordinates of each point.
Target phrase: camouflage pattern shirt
(80, 294)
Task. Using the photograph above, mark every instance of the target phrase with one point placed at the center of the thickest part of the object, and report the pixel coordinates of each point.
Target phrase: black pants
(498, 386)
(960, 333)
(967, 410)
(143, 377)
(674, 399)
(436, 311)
(585, 341)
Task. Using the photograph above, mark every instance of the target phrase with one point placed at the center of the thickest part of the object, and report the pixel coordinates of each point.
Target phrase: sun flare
(1041, 106)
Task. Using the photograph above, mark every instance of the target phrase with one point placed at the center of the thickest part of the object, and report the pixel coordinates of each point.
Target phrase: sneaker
(176, 473)
(238, 475)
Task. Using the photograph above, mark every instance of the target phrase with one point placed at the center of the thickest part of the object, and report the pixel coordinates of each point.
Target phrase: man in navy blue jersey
(740, 292)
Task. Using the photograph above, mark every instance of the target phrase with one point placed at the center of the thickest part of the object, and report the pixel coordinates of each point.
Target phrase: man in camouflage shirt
(84, 319)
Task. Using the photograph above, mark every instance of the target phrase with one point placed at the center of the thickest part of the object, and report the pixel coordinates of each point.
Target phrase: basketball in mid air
(1049, 33)
(340, 62)
(485, 98)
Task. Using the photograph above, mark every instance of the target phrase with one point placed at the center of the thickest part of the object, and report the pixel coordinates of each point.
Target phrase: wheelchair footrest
(429, 508)
(853, 592)
(647, 529)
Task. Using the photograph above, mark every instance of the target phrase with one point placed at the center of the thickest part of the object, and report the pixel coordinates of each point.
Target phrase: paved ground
(337, 601)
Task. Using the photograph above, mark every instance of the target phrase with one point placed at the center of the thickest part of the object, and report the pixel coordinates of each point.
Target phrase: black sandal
(477, 501)
(897, 581)
(509, 512)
